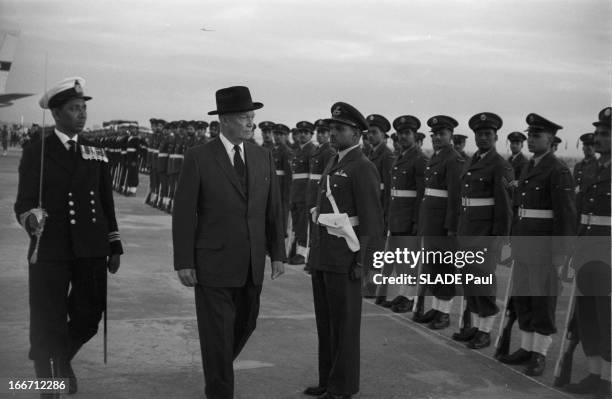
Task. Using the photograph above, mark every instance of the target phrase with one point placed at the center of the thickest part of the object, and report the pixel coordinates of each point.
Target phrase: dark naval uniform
(382, 157)
(336, 279)
(67, 257)
(546, 209)
(485, 213)
(132, 164)
(518, 162)
(318, 160)
(439, 214)
(281, 154)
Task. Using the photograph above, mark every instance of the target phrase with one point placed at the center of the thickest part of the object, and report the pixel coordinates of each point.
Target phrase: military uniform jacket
(439, 215)
(77, 197)
(382, 158)
(162, 155)
(299, 172)
(175, 157)
(282, 162)
(132, 147)
(488, 178)
(123, 149)
(595, 201)
(318, 161)
(355, 187)
(548, 186)
(584, 171)
(154, 148)
(518, 163)
(407, 174)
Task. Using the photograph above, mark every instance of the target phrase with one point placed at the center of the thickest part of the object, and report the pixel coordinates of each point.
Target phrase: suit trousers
(227, 317)
(337, 303)
(62, 290)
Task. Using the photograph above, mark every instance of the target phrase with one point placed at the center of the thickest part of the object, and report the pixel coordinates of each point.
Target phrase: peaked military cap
(266, 125)
(63, 91)
(214, 123)
(517, 136)
(420, 136)
(305, 125)
(202, 125)
(605, 115)
(485, 120)
(538, 123)
(346, 114)
(588, 138)
(406, 122)
(379, 121)
(153, 121)
(280, 128)
(321, 124)
(442, 121)
(459, 138)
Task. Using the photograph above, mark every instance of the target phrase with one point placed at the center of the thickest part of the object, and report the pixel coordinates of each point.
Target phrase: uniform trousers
(337, 303)
(66, 303)
(299, 217)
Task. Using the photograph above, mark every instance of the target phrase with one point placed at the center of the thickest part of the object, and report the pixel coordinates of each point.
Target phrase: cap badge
(77, 87)
(371, 117)
(402, 119)
(607, 112)
(434, 120)
(483, 117)
(337, 111)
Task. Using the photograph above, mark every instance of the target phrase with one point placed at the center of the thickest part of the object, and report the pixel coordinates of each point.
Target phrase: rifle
(502, 343)
(571, 338)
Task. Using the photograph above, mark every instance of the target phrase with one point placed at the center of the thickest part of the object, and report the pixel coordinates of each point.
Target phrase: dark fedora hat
(234, 99)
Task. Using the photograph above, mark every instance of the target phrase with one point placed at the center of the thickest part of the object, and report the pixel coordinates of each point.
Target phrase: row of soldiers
(451, 200)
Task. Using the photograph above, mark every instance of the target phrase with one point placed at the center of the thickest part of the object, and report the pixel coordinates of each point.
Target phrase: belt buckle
(520, 212)
(588, 219)
(464, 201)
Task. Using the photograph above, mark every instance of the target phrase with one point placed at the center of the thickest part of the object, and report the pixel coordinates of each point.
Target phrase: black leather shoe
(465, 334)
(315, 391)
(588, 384)
(425, 317)
(66, 371)
(297, 260)
(481, 340)
(521, 356)
(440, 322)
(328, 395)
(536, 366)
(603, 391)
(401, 304)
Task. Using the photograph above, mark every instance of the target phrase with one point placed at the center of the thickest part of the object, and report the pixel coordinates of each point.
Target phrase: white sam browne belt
(477, 201)
(595, 220)
(403, 193)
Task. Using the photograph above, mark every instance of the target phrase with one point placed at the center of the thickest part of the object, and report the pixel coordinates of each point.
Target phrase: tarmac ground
(153, 341)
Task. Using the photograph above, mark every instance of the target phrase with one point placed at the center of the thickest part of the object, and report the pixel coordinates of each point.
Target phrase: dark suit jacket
(217, 228)
(77, 197)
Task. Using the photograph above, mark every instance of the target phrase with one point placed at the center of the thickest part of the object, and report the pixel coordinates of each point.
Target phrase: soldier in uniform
(282, 161)
(419, 139)
(299, 175)
(459, 144)
(201, 127)
(295, 142)
(439, 215)
(78, 241)
(593, 274)
(407, 186)
(555, 144)
(131, 162)
(353, 183)
(541, 237)
(157, 126)
(517, 159)
(318, 161)
(587, 168)
(213, 129)
(381, 156)
(162, 166)
(484, 222)
(267, 134)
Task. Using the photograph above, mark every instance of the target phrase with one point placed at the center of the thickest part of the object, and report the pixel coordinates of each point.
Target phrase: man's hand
(188, 277)
(278, 268)
(113, 263)
(32, 224)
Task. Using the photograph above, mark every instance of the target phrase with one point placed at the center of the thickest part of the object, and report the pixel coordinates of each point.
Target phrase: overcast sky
(144, 59)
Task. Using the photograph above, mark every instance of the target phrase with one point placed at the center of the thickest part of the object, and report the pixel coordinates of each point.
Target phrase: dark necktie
(72, 149)
(239, 166)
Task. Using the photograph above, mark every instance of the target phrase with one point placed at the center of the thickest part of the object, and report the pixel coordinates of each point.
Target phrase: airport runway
(153, 342)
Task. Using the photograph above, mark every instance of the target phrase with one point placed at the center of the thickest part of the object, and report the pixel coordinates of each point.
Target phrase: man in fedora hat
(229, 188)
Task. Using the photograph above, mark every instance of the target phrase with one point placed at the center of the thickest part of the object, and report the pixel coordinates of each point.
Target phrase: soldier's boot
(65, 371)
(588, 384)
(465, 334)
(382, 301)
(440, 322)
(520, 356)
(426, 317)
(401, 304)
(536, 366)
(603, 391)
(481, 340)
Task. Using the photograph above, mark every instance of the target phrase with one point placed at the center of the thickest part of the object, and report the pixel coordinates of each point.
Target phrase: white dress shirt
(229, 148)
(64, 138)
(342, 153)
